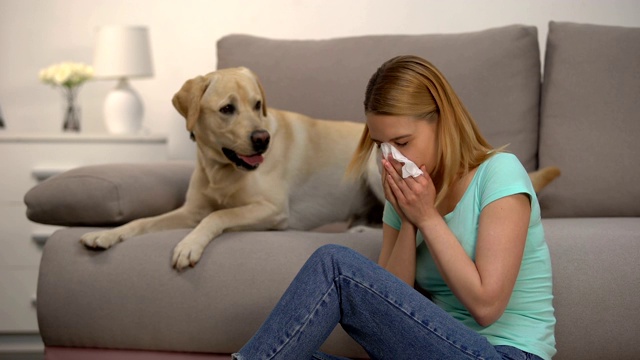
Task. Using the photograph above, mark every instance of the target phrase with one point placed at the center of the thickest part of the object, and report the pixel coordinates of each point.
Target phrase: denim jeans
(388, 318)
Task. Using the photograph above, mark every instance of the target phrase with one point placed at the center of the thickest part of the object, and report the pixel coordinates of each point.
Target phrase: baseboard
(22, 356)
(21, 347)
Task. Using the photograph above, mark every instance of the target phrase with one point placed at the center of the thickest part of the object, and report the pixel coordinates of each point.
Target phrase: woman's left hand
(415, 195)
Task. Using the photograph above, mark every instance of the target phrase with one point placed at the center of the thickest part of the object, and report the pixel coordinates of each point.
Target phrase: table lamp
(122, 52)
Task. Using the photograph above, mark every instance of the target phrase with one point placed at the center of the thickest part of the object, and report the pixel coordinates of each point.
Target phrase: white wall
(37, 33)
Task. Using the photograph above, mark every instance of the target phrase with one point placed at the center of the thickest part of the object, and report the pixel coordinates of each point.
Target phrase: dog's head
(226, 115)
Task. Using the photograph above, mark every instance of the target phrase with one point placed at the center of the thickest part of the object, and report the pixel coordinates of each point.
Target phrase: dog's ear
(264, 99)
(187, 99)
(255, 77)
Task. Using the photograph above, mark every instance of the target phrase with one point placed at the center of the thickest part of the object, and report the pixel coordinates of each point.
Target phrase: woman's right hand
(388, 193)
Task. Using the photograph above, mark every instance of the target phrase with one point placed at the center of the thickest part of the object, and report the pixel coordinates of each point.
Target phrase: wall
(37, 33)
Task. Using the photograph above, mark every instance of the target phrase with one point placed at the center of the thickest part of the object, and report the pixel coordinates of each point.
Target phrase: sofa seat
(596, 285)
(217, 306)
(133, 299)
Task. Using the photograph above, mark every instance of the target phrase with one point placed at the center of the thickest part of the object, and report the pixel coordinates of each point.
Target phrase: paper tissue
(408, 169)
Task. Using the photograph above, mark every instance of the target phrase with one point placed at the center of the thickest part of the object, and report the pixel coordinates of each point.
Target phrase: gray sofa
(582, 115)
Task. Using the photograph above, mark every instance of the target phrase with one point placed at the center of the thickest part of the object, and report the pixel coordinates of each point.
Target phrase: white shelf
(27, 159)
(80, 138)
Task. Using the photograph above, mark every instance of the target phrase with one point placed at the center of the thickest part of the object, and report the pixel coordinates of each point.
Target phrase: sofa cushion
(110, 194)
(589, 120)
(73, 353)
(596, 286)
(129, 297)
(495, 72)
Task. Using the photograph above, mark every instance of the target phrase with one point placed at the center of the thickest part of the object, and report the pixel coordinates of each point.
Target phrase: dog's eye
(228, 109)
(258, 106)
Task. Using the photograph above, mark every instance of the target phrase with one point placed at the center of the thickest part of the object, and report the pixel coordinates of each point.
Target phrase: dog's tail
(542, 177)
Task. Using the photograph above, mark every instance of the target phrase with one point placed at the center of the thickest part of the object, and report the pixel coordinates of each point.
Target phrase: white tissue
(409, 168)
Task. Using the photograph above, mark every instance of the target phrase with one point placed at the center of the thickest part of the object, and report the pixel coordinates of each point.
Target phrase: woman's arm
(484, 287)
(398, 254)
(389, 236)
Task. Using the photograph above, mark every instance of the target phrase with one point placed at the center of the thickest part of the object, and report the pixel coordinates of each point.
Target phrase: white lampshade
(122, 52)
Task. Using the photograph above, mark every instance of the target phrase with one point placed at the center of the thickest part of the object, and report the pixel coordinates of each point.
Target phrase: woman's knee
(331, 252)
(339, 258)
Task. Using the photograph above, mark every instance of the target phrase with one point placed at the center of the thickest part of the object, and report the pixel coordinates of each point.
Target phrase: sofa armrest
(109, 194)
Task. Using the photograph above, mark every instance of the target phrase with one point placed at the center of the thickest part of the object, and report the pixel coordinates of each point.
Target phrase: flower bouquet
(68, 77)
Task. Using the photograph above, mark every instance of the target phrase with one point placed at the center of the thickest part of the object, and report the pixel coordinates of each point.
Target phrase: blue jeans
(388, 318)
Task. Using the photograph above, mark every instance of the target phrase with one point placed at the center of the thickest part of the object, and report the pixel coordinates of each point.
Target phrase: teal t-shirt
(528, 321)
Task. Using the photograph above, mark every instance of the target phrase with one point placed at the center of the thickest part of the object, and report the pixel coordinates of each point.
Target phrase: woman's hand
(388, 192)
(413, 198)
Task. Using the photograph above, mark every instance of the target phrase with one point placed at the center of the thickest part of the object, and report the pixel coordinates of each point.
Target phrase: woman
(467, 232)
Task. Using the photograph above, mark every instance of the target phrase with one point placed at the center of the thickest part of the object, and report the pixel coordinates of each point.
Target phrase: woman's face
(415, 138)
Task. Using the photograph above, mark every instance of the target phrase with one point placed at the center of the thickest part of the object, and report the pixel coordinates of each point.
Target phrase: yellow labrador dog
(259, 169)
(256, 169)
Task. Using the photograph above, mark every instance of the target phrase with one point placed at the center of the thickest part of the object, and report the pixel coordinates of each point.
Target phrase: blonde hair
(412, 86)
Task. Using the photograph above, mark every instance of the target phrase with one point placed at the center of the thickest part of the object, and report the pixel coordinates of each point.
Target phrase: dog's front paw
(185, 254)
(101, 239)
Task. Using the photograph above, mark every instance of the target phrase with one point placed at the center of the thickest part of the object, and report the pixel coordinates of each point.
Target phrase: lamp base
(123, 109)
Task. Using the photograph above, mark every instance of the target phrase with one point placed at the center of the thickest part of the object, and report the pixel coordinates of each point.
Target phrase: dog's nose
(260, 140)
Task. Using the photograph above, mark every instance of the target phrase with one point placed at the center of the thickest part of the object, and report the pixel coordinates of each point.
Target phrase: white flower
(66, 74)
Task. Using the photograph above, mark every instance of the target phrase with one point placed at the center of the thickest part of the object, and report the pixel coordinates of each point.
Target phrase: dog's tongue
(252, 160)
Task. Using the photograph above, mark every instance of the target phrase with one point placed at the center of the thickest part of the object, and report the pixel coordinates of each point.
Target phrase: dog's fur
(259, 169)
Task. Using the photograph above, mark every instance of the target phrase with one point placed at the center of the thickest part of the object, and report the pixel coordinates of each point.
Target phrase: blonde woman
(467, 232)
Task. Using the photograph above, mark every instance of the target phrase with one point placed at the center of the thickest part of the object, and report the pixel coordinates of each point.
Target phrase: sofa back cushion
(495, 72)
(590, 120)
